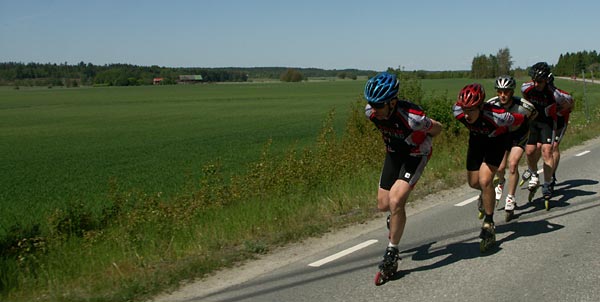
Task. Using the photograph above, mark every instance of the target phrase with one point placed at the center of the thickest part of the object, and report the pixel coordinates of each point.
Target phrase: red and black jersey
(544, 101)
(405, 131)
(493, 120)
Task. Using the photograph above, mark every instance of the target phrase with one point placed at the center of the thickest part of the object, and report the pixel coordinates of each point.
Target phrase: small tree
(291, 75)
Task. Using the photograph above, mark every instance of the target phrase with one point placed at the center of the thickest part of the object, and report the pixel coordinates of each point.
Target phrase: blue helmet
(382, 88)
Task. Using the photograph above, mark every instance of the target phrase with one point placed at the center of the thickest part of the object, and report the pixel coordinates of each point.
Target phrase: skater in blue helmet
(407, 133)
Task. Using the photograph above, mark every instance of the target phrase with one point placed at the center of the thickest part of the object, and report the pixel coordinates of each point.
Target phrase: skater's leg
(532, 154)
(398, 197)
(486, 175)
(383, 200)
(548, 158)
(513, 170)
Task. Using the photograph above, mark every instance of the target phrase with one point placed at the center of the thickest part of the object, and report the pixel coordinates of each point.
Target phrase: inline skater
(543, 128)
(488, 127)
(565, 104)
(407, 133)
(505, 89)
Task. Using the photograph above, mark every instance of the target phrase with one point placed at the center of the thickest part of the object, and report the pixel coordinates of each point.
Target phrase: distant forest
(87, 74)
(36, 74)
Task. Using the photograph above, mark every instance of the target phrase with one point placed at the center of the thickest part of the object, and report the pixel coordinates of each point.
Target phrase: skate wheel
(485, 245)
(482, 246)
(480, 215)
(521, 182)
(531, 195)
(547, 204)
(508, 216)
(379, 279)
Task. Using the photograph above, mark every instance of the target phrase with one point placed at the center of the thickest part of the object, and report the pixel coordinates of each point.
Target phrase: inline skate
(509, 208)
(533, 186)
(499, 188)
(488, 236)
(525, 177)
(547, 193)
(388, 266)
(480, 207)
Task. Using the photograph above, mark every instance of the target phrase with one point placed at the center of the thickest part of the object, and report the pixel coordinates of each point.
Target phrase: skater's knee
(485, 182)
(512, 168)
(383, 204)
(473, 182)
(397, 206)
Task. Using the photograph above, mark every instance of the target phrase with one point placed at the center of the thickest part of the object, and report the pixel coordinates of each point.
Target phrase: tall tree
(481, 66)
(504, 61)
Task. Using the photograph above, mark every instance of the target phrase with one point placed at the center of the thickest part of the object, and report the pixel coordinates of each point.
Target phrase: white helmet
(505, 82)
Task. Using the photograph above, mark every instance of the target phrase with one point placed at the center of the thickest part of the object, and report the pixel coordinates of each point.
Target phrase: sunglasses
(377, 105)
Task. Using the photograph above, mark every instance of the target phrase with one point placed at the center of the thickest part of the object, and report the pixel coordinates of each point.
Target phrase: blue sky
(430, 35)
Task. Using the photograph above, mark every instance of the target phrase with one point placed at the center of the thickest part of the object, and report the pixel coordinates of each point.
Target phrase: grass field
(65, 147)
(72, 145)
(62, 145)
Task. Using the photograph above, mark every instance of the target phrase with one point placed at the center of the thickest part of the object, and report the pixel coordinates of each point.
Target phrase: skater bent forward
(488, 127)
(407, 133)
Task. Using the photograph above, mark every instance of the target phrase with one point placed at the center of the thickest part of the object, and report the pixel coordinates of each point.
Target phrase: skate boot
(499, 188)
(496, 180)
(553, 182)
(488, 236)
(547, 193)
(525, 177)
(534, 183)
(387, 221)
(509, 208)
(480, 207)
(388, 266)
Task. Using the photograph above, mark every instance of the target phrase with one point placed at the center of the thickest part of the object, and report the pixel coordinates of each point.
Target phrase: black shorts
(486, 149)
(404, 167)
(519, 138)
(540, 132)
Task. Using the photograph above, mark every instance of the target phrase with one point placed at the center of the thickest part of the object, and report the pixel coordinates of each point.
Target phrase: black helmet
(540, 71)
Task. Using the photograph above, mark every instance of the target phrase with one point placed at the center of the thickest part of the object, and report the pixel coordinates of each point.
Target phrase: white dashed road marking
(343, 253)
(583, 153)
(466, 202)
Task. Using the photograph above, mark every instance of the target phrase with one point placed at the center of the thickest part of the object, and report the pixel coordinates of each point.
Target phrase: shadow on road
(467, 250)
(563, 192)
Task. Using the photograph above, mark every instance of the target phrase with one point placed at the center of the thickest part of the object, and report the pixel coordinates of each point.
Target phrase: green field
(71, 145)
(61, 145)
(115, 149)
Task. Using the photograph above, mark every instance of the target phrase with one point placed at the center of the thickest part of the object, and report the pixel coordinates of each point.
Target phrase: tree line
(88, 74)
(569, 64)
(572, 64)
(37, 74)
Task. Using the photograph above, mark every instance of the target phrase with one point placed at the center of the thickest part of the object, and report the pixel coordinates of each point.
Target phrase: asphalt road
(541, 255)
